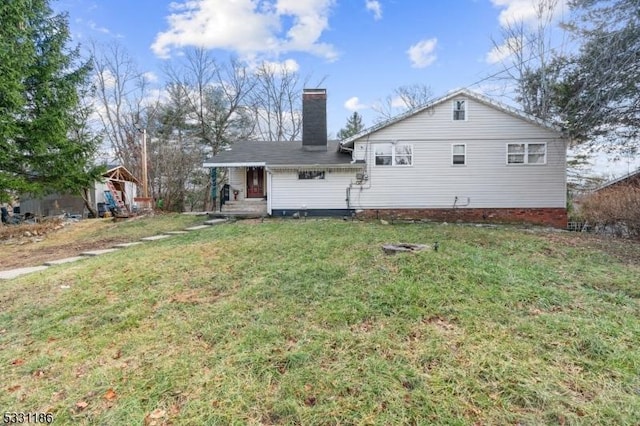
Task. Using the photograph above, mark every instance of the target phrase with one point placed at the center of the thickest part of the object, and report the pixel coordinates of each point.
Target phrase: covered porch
(245, 192)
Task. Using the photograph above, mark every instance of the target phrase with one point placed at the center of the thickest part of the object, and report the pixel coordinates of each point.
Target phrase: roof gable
(450, 96)
(120, 173)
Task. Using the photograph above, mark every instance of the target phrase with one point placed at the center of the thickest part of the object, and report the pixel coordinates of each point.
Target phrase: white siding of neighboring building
(130, 193)
(290, 193)
(485, 181)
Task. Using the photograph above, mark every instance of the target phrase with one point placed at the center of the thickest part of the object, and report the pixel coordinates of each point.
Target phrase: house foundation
(555, 217)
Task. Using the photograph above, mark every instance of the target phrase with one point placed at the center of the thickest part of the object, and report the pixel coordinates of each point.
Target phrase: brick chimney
(314, 119)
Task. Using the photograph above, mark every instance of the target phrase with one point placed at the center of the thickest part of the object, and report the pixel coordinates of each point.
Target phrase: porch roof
(260, 153)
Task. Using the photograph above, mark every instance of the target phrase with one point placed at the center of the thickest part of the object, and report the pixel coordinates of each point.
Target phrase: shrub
(614, 210)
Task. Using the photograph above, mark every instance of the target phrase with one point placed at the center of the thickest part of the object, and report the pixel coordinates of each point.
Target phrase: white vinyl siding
(130, 189)
(290, 193)
(238, 182)
(486, 180)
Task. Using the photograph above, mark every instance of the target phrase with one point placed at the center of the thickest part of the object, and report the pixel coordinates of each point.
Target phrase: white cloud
(96, 27)
(151, 77)
(93, 26)
(107, 79)
(522, 10)
(289, 65)
(421, 54)
(248, 27)
(398, 102)
(353, 104)
(503, 51)
(374, 7)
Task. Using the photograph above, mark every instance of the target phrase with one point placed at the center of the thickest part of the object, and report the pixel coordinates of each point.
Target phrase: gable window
(310, 174)
(388, 154)
(459, 110)
(458, 154)
(526, 153)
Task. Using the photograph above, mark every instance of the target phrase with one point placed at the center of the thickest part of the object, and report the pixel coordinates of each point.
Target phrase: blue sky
(362, 49)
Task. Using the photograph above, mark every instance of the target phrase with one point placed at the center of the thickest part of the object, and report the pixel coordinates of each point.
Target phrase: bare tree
(123, 103)
(529, 59)
(276, 102)
(402, 99)
(176, 152)
(217, 95)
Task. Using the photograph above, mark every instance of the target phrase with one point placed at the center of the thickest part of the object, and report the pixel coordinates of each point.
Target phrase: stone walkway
(14, 273)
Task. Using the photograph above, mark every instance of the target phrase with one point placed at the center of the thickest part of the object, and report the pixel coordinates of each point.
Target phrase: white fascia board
(335, 166)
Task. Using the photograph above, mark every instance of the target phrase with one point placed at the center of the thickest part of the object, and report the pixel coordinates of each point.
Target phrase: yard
(309, 322)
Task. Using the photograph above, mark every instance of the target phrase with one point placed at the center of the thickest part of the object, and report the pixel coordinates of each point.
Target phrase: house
(630, 179)
(461, 157)
(55, 204)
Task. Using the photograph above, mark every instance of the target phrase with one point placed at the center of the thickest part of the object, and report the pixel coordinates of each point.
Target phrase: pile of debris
(407, 248)
(30, 229)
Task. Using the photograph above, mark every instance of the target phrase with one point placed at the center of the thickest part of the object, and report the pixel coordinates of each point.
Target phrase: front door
(255, 182)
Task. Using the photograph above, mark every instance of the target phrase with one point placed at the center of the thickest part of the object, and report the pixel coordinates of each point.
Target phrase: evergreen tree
(45, 145)
(354, 126)
(600, 92)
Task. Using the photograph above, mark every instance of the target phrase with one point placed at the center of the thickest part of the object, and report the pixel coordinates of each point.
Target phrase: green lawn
(294, 322)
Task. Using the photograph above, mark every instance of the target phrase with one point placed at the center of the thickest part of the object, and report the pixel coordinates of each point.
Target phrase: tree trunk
(87, 203)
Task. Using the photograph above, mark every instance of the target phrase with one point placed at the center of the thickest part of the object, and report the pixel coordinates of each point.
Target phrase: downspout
(348, 200)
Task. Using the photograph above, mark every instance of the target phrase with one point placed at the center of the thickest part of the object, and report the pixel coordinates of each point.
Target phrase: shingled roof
(277, 154)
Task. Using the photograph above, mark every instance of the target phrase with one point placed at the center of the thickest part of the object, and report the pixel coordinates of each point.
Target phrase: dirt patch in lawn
(33, 244)
(35, 255)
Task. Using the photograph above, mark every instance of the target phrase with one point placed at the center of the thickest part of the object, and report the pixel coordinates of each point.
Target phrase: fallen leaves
(155, 417)
(110, 395)
(17, 362)
(38, 374)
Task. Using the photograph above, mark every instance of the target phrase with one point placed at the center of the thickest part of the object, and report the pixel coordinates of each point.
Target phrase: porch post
(214, 187)
(269, 197)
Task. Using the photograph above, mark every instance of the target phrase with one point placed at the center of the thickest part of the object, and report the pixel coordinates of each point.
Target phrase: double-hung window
(526, 153)
(393, 154)
(458, 154)
(459, 110)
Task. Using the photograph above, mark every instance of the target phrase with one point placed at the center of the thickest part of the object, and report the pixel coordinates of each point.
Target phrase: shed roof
(119, 173)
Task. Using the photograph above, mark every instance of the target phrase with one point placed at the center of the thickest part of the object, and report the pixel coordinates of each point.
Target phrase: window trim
(453, 154)
(465, 110)
(526, 154)
(393, 154)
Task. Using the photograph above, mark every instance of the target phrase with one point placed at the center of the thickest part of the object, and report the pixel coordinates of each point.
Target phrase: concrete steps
(253, 207)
